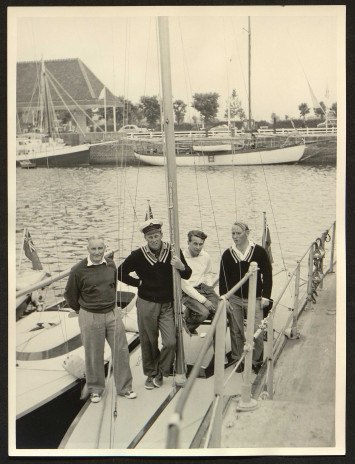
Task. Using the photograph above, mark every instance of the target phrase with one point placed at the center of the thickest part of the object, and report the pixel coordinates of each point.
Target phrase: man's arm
(186, 273)
(124, 270)
(192, 292)
(266, 272)
(72, 292)
(209, 275)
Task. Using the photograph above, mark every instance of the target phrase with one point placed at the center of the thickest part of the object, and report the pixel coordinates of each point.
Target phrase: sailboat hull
(64, 156)
(284, 155)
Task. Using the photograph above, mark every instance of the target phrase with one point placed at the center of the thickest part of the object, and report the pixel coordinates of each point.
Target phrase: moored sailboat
(248, 149)
(45, 147)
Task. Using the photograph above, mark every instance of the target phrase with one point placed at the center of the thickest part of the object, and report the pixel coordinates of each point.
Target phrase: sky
(290, 47)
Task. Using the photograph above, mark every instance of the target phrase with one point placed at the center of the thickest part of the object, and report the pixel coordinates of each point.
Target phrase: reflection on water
(63, 206)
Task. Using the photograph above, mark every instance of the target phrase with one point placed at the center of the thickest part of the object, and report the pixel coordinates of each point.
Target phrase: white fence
(303, 132)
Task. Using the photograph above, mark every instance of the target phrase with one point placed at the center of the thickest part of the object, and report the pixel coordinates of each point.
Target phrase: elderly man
(153, 265)
(198, 295)
(234, 265)
(91, 292)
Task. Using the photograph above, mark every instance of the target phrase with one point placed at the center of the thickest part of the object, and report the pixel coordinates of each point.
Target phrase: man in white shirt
(198, 295)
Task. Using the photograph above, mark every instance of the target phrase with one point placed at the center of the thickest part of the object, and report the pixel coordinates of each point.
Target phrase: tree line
(147, 110)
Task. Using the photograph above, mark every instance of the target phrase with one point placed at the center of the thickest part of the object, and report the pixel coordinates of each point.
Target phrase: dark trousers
(196, 312)
(152, 318)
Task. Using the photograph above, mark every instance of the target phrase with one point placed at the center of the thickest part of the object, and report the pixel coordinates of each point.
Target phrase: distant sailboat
(45, 147)
(246, 150)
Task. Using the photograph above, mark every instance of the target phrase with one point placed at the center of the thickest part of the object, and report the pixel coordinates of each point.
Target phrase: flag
(149, 213)
(31, 252)
(267, 243)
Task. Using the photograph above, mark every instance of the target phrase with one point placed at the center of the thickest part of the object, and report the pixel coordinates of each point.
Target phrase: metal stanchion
(332, 249)
(247, 403)
(293, 333)
(270, 357)
(310, 280)
(219, 355)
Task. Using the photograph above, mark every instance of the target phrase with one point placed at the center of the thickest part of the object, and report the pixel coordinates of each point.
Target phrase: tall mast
(45, 97)
(249, 74)
(168, 124)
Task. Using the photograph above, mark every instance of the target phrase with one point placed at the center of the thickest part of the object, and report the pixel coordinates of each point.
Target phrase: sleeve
(266, 272)
(124, 270)
(72, 292)
(192, 292)
(208, 273)
(186, 273)
(222, 276)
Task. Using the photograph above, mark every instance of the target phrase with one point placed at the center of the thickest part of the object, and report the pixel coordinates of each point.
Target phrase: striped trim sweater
(232, 269)
(155, 274)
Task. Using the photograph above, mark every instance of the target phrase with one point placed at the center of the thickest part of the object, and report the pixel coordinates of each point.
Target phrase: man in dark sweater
(234, 265)
(152, 264)
(91, 292)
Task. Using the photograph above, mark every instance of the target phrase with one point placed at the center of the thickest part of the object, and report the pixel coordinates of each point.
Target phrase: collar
(243, 256)
(90, 263)
(188, 254)
(150, 256)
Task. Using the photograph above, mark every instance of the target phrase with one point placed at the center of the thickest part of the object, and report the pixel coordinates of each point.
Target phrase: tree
(207, 105)
(303, 109)
(334, 108)
(320, 111)
(235, 106)
(274, 117)
(180, 111)
(151, 109)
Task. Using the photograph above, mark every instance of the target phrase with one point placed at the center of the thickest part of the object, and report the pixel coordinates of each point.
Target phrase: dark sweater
(156, 274)
(232, 269)
(92, 287)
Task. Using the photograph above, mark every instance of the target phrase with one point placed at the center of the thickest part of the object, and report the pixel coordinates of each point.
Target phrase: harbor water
(62, 207)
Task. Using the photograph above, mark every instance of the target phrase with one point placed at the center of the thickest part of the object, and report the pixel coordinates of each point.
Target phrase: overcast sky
(209, 50)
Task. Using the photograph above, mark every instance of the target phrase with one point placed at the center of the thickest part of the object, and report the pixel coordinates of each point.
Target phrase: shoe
(240, 368)
(256, 367)
(193, 332)
(149, 385)
(158, 380)
(130, 395)
(185, 327)
(95, 398)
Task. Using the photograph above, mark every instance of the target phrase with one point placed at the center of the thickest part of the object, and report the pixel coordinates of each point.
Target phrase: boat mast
(168, 124)
(249, 75)
(45, 96)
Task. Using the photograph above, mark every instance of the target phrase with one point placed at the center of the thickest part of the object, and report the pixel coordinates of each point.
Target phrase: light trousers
(95, 328)
(152, 318)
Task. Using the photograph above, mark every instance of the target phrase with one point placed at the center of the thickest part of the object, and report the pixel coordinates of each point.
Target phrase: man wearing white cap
(153, 265)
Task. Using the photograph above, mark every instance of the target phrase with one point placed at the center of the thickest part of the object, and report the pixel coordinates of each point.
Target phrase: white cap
(150, 224)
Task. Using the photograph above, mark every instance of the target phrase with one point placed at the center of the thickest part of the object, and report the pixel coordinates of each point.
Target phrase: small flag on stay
(267, 243)
(31, 252)
(149, 213)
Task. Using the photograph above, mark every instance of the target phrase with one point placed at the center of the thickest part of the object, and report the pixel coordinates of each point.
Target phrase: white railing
(319, 131)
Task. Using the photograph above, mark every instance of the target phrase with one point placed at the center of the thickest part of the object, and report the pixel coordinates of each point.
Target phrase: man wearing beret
(152, 264)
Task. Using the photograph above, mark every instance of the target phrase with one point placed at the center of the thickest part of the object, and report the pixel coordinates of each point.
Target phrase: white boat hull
(283, 155)
(43, 341)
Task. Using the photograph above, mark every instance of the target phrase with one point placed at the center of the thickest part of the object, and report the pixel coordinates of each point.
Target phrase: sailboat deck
(302, 412)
